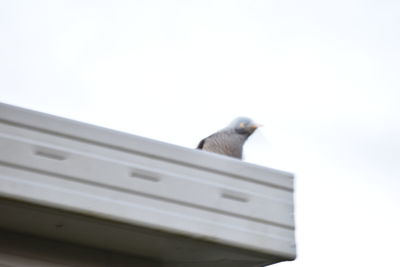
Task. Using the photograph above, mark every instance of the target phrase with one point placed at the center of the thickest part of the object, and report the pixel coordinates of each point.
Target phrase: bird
(230, 140)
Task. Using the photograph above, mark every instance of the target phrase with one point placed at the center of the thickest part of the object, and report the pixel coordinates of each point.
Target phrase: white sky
(322, 76)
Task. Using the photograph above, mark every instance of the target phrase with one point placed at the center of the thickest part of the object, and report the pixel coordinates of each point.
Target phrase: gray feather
(230, 140)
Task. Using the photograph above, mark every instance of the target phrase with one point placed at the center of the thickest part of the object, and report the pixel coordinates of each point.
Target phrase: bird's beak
(255, 126)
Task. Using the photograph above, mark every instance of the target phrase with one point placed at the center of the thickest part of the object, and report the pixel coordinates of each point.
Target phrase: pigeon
(230, 140)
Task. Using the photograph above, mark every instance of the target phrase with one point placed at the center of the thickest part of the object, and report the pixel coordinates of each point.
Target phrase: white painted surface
(74, 167)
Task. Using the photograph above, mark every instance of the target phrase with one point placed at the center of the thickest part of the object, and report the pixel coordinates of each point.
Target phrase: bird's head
(243, 125)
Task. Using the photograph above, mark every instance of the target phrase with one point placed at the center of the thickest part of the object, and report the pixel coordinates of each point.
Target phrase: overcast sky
(322, 76)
